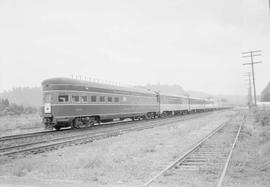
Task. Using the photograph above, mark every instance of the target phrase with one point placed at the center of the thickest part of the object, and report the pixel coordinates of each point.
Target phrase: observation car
(78, 103)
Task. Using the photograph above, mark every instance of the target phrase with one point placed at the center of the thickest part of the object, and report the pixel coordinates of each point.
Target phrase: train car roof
(172, 95)
(70, 81)
(182, 96)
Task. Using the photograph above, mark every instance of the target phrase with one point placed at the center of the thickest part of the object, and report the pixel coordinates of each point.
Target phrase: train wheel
(77, 123)
(57, 128)
(92, 121)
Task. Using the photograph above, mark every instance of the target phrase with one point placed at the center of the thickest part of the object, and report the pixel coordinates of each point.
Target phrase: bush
(262, 117)
(265, 95)
(13, 109)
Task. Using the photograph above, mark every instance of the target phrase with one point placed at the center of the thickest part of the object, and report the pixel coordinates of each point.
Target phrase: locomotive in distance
(77, 103)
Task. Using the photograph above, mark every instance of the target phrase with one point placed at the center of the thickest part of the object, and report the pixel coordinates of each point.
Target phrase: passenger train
(77, 103)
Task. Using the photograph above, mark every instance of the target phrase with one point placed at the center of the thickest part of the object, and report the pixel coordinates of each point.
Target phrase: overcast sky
(196, 44)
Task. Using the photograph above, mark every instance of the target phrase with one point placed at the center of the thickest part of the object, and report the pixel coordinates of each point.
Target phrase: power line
(252, 54)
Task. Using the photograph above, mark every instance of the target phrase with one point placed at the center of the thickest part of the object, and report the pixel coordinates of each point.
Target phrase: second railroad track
(208, 158)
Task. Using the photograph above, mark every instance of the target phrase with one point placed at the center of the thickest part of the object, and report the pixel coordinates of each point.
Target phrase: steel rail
(33, 134)
(64, 131)
(86, 136)
(92, 134)
(60, 138)
(182, 157)
(58, 143)
(103, 125)
(229, 157)
(18, 136)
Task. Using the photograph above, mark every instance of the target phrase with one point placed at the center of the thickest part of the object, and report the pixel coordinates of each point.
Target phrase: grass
(250, 162)
(22, 169)
(94, 163)
(24, 121)
(150, 149)
(261, 117)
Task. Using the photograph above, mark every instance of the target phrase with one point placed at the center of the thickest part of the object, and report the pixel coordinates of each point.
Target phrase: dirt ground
(127, 160)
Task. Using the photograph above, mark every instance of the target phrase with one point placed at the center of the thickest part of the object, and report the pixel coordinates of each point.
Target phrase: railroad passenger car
(173, 105)
(199, 105)
(78, 103)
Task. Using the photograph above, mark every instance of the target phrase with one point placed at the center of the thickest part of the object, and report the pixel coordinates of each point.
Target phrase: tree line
(265, 96)
(26, 96)
(7, 108)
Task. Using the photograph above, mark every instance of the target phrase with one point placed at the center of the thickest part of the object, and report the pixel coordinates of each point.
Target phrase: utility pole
(249, 90)
(251, 54)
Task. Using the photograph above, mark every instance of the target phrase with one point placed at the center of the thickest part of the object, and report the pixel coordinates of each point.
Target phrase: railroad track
(41, 133)
(40, 142)
(213, 151)
(46, 132)
(18, 136)
(26, 139)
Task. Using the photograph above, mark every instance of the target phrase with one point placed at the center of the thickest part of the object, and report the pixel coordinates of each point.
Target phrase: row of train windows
(84, 99)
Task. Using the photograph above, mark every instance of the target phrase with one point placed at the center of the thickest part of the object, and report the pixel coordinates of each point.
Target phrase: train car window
(116, 99)
(93, 98)
(102, 98)
(109, 99)
(124, 99)
(63, 98)
(75, 98)
(84, 99)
